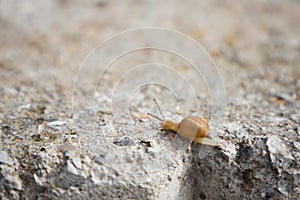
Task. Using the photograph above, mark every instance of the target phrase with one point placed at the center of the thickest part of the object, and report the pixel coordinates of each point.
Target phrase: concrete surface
(74, 128)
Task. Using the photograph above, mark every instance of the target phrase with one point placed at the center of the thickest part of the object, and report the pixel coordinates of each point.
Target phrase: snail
(193, 128)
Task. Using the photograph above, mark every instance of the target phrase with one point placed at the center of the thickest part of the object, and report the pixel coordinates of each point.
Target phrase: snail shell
(189, 127)
(193, 127)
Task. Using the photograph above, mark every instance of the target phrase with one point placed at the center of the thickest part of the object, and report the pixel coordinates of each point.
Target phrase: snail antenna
(156, 117)
(158, 108)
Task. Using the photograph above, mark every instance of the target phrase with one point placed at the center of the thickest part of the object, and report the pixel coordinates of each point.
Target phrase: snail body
(193, 128)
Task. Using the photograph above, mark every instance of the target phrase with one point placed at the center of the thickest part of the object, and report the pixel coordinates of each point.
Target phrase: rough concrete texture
(47, 154)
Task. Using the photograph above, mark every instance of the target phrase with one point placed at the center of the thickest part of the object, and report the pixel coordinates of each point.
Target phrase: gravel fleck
(124, 141)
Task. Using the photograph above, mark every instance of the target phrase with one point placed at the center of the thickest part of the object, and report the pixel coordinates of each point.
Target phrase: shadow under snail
(193, 128)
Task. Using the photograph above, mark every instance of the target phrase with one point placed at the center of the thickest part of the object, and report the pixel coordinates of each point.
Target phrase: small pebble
(124, 141)
(56, 123)
(5, 158)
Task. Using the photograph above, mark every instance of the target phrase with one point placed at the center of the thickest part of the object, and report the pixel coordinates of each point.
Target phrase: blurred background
(254, 44)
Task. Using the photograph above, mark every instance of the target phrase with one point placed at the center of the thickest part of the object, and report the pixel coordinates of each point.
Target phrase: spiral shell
(193, 127)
